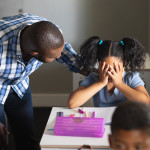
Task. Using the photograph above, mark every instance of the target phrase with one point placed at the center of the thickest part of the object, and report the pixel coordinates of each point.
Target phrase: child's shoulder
(131, 75)
(90, 79)
(93, 75)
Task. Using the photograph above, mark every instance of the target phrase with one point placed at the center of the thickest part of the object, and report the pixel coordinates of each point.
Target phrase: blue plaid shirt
(13, 71)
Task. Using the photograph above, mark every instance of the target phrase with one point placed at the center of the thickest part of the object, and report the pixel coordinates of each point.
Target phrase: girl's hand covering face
(116, 73)
(103, 72)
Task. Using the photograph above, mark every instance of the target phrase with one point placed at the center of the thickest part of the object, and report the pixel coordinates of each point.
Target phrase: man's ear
(34, 53)
(110, 140)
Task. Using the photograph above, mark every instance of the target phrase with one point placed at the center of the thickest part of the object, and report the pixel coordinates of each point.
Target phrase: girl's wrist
(119, 84)
(102, 83)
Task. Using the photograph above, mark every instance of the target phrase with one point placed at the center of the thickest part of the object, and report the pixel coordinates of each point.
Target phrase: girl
(111, 85)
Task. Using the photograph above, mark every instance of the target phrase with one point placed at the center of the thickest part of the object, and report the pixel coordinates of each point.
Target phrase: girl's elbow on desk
(75, 99)
(72, 103)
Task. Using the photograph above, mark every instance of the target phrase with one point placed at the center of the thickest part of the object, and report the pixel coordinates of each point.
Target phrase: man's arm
(70, 58)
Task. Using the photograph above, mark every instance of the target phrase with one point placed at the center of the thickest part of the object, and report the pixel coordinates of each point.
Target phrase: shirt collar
(18, 33)
(18, 48)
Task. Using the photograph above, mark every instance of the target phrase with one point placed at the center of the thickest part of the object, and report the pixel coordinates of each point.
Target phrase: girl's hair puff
(134, 54)
(130, 51)
(88, 53)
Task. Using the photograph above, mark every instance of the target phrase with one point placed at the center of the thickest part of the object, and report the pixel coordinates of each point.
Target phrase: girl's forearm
(132, 94)
(82, 95)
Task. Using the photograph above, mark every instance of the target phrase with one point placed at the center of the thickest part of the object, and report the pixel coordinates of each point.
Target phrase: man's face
(50, 56)
(130, 140)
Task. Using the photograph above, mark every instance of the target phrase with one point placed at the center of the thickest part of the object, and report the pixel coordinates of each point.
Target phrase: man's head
(130, 127)
(42, 40)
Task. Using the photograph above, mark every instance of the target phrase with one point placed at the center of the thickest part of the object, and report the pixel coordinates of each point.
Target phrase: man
(26, 41)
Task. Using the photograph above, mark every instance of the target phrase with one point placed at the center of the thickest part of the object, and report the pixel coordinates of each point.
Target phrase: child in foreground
(130, 127)
(116, 79)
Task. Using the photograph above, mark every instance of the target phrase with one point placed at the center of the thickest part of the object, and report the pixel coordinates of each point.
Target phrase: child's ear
(110, 140)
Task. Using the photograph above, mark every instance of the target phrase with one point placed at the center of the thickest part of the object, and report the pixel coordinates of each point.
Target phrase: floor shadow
(41, 115)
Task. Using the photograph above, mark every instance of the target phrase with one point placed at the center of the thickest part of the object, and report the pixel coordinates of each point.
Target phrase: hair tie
(122, 43)
(100, 42)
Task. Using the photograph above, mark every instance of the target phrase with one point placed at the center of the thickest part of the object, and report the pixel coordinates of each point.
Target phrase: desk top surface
(50, 140)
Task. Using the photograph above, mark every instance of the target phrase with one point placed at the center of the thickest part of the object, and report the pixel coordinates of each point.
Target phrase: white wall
(80, 19)
(10, 7)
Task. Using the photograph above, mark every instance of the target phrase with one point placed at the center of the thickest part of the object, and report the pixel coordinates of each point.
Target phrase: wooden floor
(41, 115)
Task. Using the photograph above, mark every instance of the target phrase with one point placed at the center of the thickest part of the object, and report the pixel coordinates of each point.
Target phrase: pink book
(79, 126)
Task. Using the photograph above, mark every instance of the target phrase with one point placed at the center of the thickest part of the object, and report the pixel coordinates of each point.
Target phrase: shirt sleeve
(89, 80)
(69, 58)
(136, 80)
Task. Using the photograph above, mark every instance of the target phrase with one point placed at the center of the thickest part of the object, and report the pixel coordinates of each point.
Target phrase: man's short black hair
(131, 115)
(45, 36)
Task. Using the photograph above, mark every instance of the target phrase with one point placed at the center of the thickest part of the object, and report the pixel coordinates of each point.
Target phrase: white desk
(50, 141)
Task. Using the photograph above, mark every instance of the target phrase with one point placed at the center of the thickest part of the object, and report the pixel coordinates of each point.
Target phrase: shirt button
(19, 57)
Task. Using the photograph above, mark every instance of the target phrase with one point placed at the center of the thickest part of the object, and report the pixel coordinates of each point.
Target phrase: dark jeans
(20, 116)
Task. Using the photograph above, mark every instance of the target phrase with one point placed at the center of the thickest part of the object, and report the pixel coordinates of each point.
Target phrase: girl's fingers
(110, 67)
(123, 71)
(106, 69)
(119, 66)
(99, 66)
(112, 70)
(103, 65)
(116, 67)
(110, 74)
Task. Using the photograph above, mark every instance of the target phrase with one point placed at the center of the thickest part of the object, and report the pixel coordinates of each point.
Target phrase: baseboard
(51, 100)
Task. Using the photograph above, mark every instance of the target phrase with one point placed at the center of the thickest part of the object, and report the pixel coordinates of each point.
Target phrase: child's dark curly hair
(131, 115)
(128, 49)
